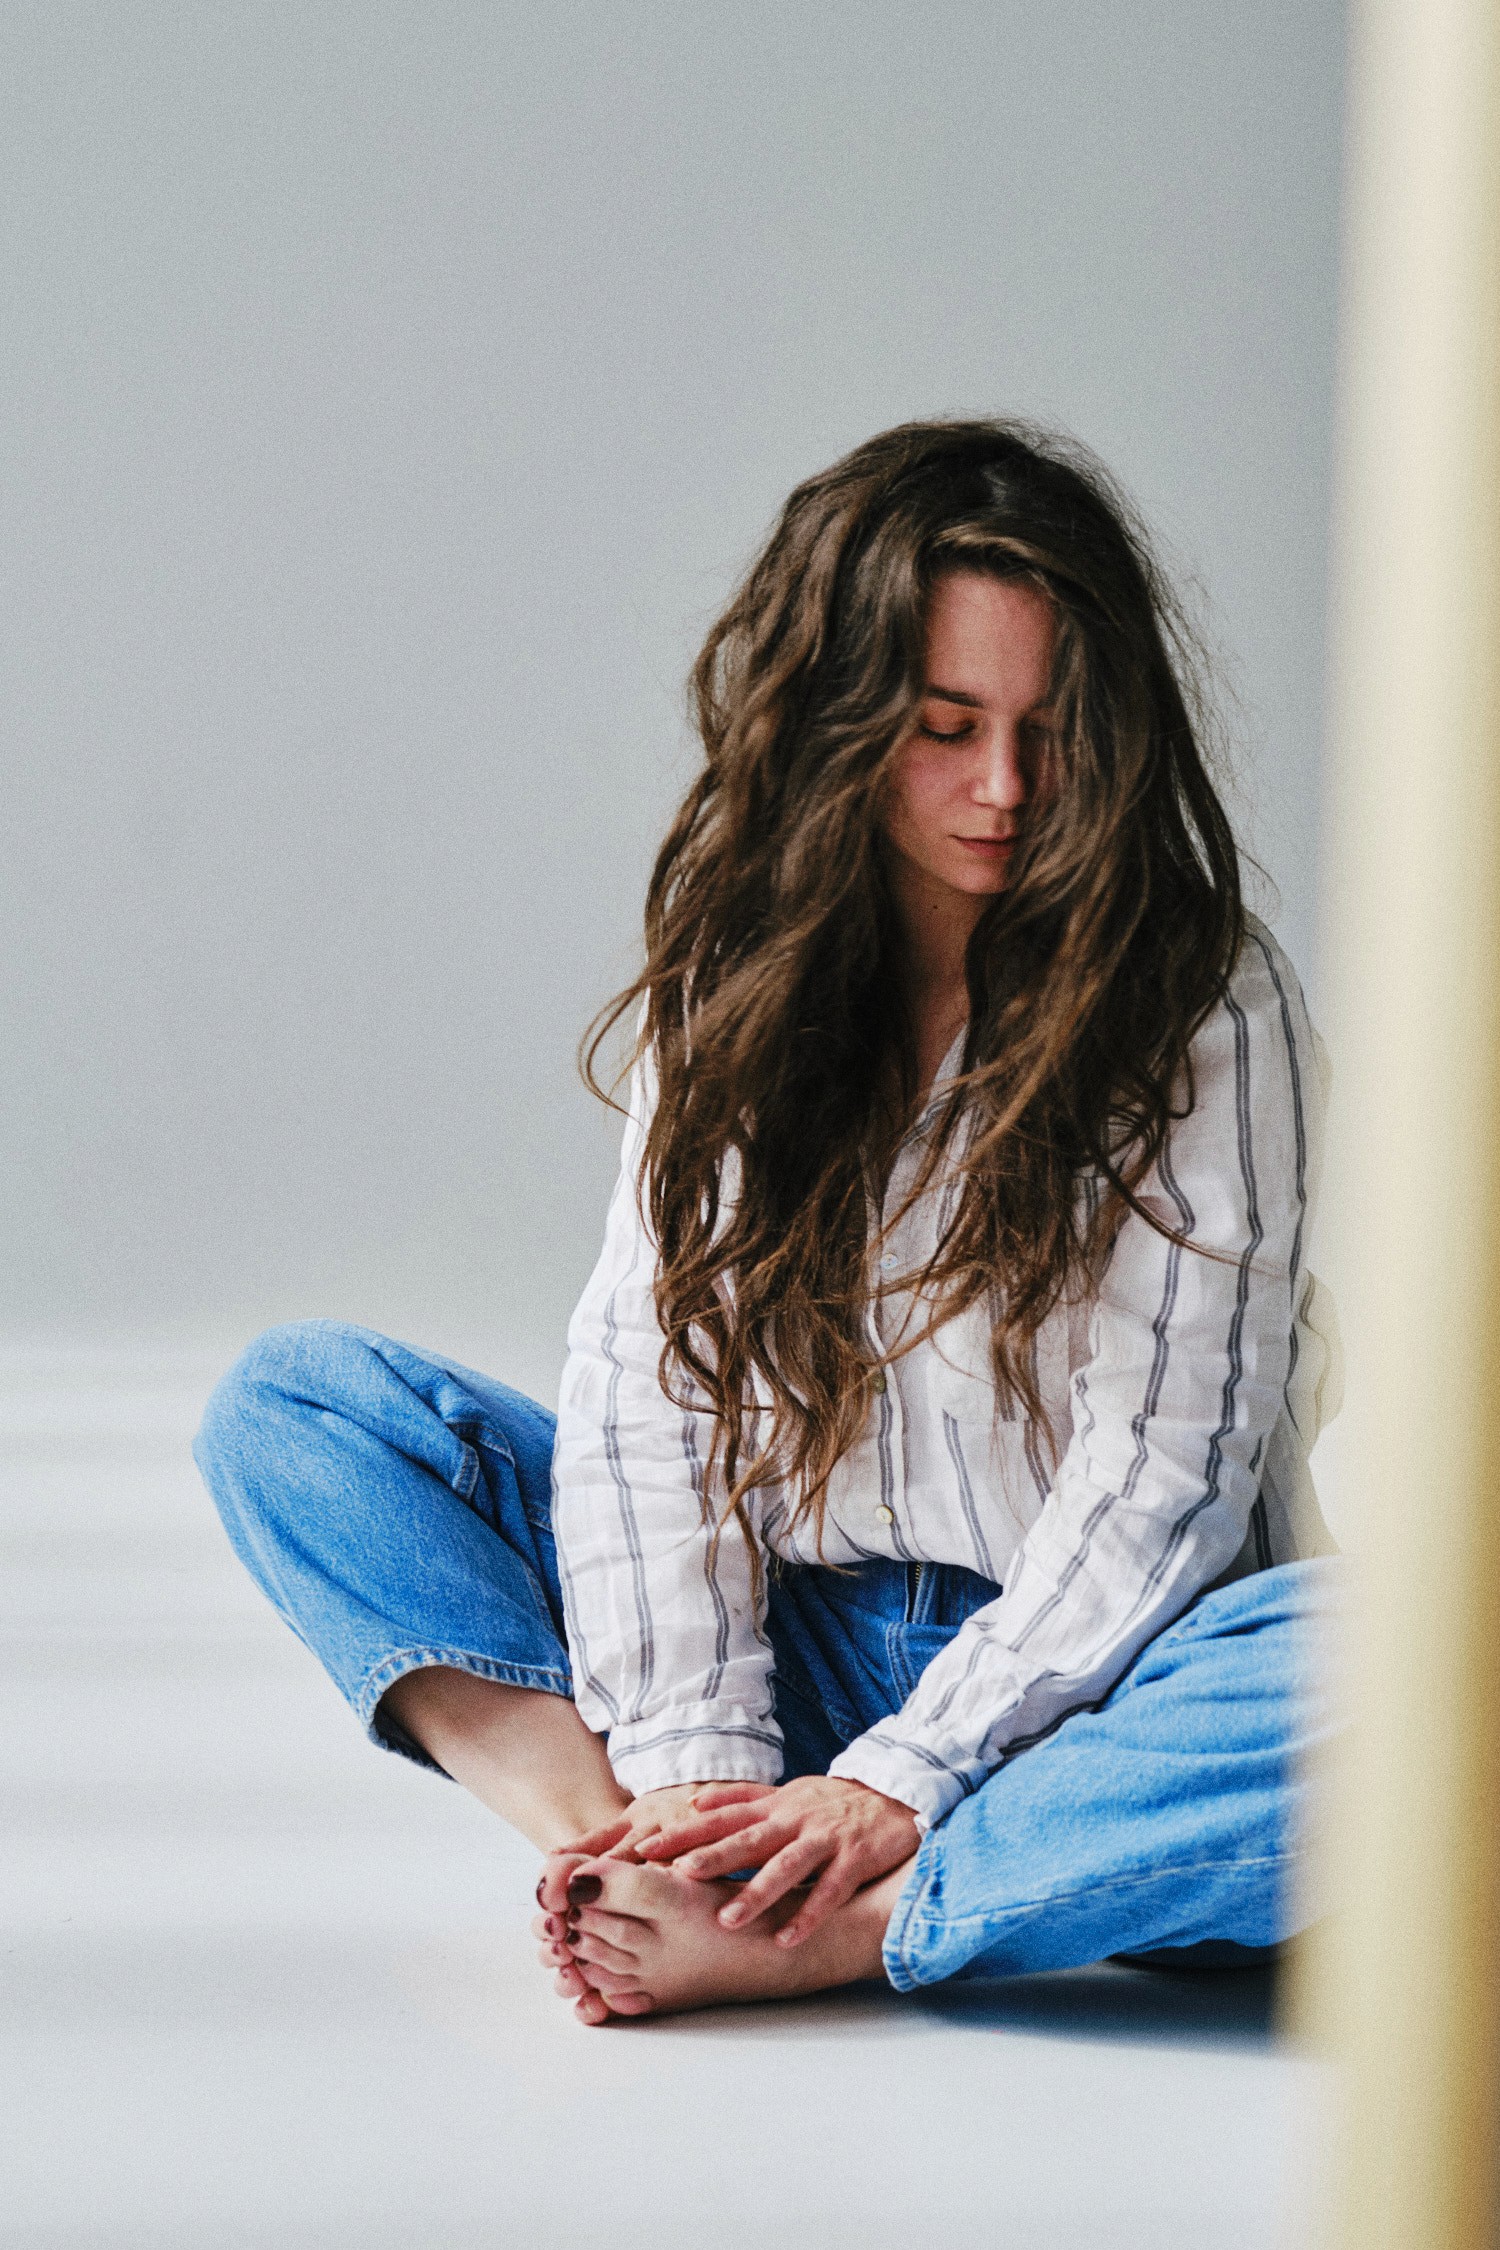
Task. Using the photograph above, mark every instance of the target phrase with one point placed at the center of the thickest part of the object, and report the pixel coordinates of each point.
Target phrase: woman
(918, 1574)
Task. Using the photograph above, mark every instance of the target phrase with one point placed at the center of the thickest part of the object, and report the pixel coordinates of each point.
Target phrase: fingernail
(541, 1887)
(584, 1889)
(729, 1915)
(787, 1936)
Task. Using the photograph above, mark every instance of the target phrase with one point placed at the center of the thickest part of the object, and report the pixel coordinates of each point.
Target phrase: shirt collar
(947, 1070)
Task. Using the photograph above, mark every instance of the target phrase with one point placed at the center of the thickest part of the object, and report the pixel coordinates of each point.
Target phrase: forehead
(991, 638)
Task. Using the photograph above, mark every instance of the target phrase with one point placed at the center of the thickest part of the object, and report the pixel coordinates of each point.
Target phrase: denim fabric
(396, 1509)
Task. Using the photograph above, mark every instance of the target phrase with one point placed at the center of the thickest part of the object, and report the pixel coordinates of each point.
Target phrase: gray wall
(392, 392)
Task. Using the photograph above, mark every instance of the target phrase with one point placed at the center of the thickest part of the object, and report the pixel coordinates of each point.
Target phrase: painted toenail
(584, 1889)
(541, 1887)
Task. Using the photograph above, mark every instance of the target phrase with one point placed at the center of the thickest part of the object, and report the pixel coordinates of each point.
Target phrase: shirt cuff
(932, 1776)
(695, 1742)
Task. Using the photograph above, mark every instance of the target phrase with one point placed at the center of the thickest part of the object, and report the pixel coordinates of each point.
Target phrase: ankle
(870, 1912)
(523, 1752)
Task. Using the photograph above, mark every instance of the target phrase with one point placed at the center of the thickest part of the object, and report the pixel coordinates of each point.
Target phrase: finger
(834, 1888)
(776, 1878)
(753, 1847)
(686, 1835)
(602, 1839)
(716, 1793)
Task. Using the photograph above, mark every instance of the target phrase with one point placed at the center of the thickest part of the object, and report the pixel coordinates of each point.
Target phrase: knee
(299, 1363)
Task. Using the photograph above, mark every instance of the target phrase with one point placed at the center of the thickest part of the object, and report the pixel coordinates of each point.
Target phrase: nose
(1001, 781)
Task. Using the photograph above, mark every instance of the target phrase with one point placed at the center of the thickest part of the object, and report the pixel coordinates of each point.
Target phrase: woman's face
(960, 781)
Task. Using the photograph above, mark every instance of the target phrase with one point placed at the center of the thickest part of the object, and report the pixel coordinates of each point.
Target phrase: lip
(986, 843)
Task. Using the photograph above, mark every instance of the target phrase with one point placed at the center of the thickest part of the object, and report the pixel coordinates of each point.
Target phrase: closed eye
(944, 734)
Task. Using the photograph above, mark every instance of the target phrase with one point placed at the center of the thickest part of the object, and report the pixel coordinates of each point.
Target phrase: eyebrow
(971, 702)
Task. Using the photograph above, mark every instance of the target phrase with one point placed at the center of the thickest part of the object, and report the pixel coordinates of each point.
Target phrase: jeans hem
(546, 1678)
(903, 1939)
(893, 1945)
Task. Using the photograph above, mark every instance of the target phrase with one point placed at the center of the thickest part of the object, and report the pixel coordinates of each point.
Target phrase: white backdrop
(394, 391)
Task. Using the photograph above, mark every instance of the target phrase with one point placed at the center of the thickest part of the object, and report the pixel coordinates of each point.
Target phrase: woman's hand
(836, 1835)
(644, 1817)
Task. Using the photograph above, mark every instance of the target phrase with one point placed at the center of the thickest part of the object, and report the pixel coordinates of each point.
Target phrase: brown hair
(773, 1010)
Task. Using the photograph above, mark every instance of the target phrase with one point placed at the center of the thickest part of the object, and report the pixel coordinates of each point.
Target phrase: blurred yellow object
(1403, 1984)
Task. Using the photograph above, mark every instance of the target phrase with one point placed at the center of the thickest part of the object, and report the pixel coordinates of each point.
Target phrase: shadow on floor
(1220, 2009)
(1208, 2007)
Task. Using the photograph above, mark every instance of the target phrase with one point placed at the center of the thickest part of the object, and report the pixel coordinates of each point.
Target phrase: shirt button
(889, 1261)
(885, 1515)
(877, 1381)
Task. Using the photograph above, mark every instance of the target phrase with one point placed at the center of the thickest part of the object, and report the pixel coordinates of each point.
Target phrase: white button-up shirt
(1184, 1393)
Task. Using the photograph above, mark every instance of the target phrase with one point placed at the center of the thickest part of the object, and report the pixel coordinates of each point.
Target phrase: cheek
(922, 795)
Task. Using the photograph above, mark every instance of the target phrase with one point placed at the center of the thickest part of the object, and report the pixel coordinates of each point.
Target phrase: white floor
(263, 1986)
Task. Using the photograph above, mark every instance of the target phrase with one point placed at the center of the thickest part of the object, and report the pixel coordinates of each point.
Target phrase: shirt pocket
(962, 1373)
(964, 1386)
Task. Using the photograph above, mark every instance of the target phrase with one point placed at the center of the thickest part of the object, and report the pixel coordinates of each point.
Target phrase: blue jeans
(397, 1511)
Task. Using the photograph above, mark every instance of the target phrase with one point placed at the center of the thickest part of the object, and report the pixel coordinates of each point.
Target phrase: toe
(610, 1981)
(552, 1890)
(623, 1931)
(631, 2003)
(602, 1955)
(591, 2009)
(615, 1886)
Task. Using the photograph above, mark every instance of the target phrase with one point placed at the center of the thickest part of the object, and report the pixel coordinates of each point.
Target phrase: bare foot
(552, 1887)
(649, 1941)
(559, 1933)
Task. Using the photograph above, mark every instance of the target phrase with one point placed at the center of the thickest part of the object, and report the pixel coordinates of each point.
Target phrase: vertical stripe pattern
(1170, 1392)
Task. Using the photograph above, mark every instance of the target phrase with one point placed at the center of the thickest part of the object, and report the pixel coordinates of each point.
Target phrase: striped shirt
(1183, 1393)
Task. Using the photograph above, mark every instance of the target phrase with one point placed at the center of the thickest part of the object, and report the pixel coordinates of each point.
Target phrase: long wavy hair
(772, 1005)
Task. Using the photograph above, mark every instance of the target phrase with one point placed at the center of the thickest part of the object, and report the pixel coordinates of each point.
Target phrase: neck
(937, 923)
